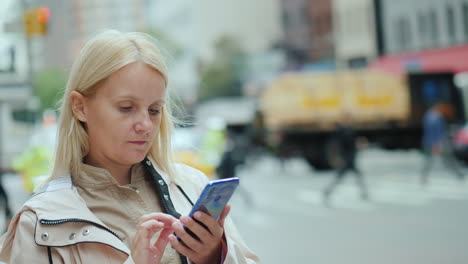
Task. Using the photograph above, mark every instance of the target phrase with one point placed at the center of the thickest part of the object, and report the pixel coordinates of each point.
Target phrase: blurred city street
(282, 90)
(403, 222)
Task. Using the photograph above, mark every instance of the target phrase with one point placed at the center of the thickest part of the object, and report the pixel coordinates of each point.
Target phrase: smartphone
(215, 197)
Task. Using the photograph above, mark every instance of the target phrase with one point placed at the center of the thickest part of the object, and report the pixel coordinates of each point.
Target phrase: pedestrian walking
(114, 194)
(347, 145)
(436, 143)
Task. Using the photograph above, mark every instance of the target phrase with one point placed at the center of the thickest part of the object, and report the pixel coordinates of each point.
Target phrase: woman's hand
(207, 249)
(143, 251)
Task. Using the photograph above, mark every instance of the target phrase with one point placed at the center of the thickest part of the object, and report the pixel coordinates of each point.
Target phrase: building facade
(355, 33)
(297, 36)
(423, 24)
(73, 22)
(256, 24)
(175, 19)
(308, 34)
(196, 27)
(322, 37)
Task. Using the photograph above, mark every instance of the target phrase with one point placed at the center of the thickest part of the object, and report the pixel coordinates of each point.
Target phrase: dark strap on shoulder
(186, 196)
(49, 253)
(164, 196)
(163, 190)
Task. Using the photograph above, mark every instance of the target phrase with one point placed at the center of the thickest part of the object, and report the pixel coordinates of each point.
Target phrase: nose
(144, 123)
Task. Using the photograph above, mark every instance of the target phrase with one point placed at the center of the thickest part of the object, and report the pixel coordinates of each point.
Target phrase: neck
(121, 173)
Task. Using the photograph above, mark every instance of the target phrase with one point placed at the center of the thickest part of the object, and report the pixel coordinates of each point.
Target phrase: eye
(154, 111)
(125, 109)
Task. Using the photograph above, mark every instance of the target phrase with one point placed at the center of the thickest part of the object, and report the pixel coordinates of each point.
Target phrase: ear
(78, 105)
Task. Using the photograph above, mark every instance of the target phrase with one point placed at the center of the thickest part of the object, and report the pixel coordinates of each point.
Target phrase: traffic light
(35, 21)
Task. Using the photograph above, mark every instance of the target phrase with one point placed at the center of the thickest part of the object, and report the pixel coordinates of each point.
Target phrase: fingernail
(176, 225)
(184, 219)
(197, 215)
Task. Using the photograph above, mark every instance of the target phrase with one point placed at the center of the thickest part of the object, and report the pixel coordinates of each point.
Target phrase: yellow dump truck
(299, 111)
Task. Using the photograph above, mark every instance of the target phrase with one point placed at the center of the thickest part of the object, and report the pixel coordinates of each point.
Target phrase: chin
(132, 159)
(139, 156)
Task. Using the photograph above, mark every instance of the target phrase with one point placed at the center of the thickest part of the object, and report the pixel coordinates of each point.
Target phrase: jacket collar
(59, 203)
(154, 166)
(95, 177)
(60, 200)
(62, 213)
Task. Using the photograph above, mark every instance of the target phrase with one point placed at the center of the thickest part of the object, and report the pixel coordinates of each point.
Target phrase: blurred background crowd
(262, 85)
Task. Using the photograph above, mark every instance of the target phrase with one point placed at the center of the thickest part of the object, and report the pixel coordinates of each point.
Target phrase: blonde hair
(103, 55)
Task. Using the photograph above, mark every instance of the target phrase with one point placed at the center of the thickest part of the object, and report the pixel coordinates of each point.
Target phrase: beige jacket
(56, 225)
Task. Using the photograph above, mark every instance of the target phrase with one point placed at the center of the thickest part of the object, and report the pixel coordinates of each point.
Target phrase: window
(465, 19)
(398, 34)
(407, 33)
(434, 28)
(403, 34)
(422, 28)
(450, 23)
(286, 20)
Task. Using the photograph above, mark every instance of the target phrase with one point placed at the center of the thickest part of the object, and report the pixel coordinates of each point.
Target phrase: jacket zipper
(76, 220)
(164, 205)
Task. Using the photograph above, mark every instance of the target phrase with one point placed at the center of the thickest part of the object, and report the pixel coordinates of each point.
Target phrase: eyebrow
(131, 97)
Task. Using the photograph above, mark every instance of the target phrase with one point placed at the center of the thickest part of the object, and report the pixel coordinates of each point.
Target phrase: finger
(180, 247)
(213, 226)
(161, 217)
(144, 233)
(224, 214)
(201, 232)
(163, 239)
(187, 239)
(140, 237)
(149, 228)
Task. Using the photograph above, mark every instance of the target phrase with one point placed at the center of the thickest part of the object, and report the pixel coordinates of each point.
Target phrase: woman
(114, 195)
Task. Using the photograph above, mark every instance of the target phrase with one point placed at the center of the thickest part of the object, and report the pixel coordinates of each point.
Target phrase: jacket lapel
(64, 219)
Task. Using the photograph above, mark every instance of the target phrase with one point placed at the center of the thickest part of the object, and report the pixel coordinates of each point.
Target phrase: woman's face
(123, 117)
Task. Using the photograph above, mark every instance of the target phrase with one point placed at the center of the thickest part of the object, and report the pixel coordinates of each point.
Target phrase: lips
(138, 142)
